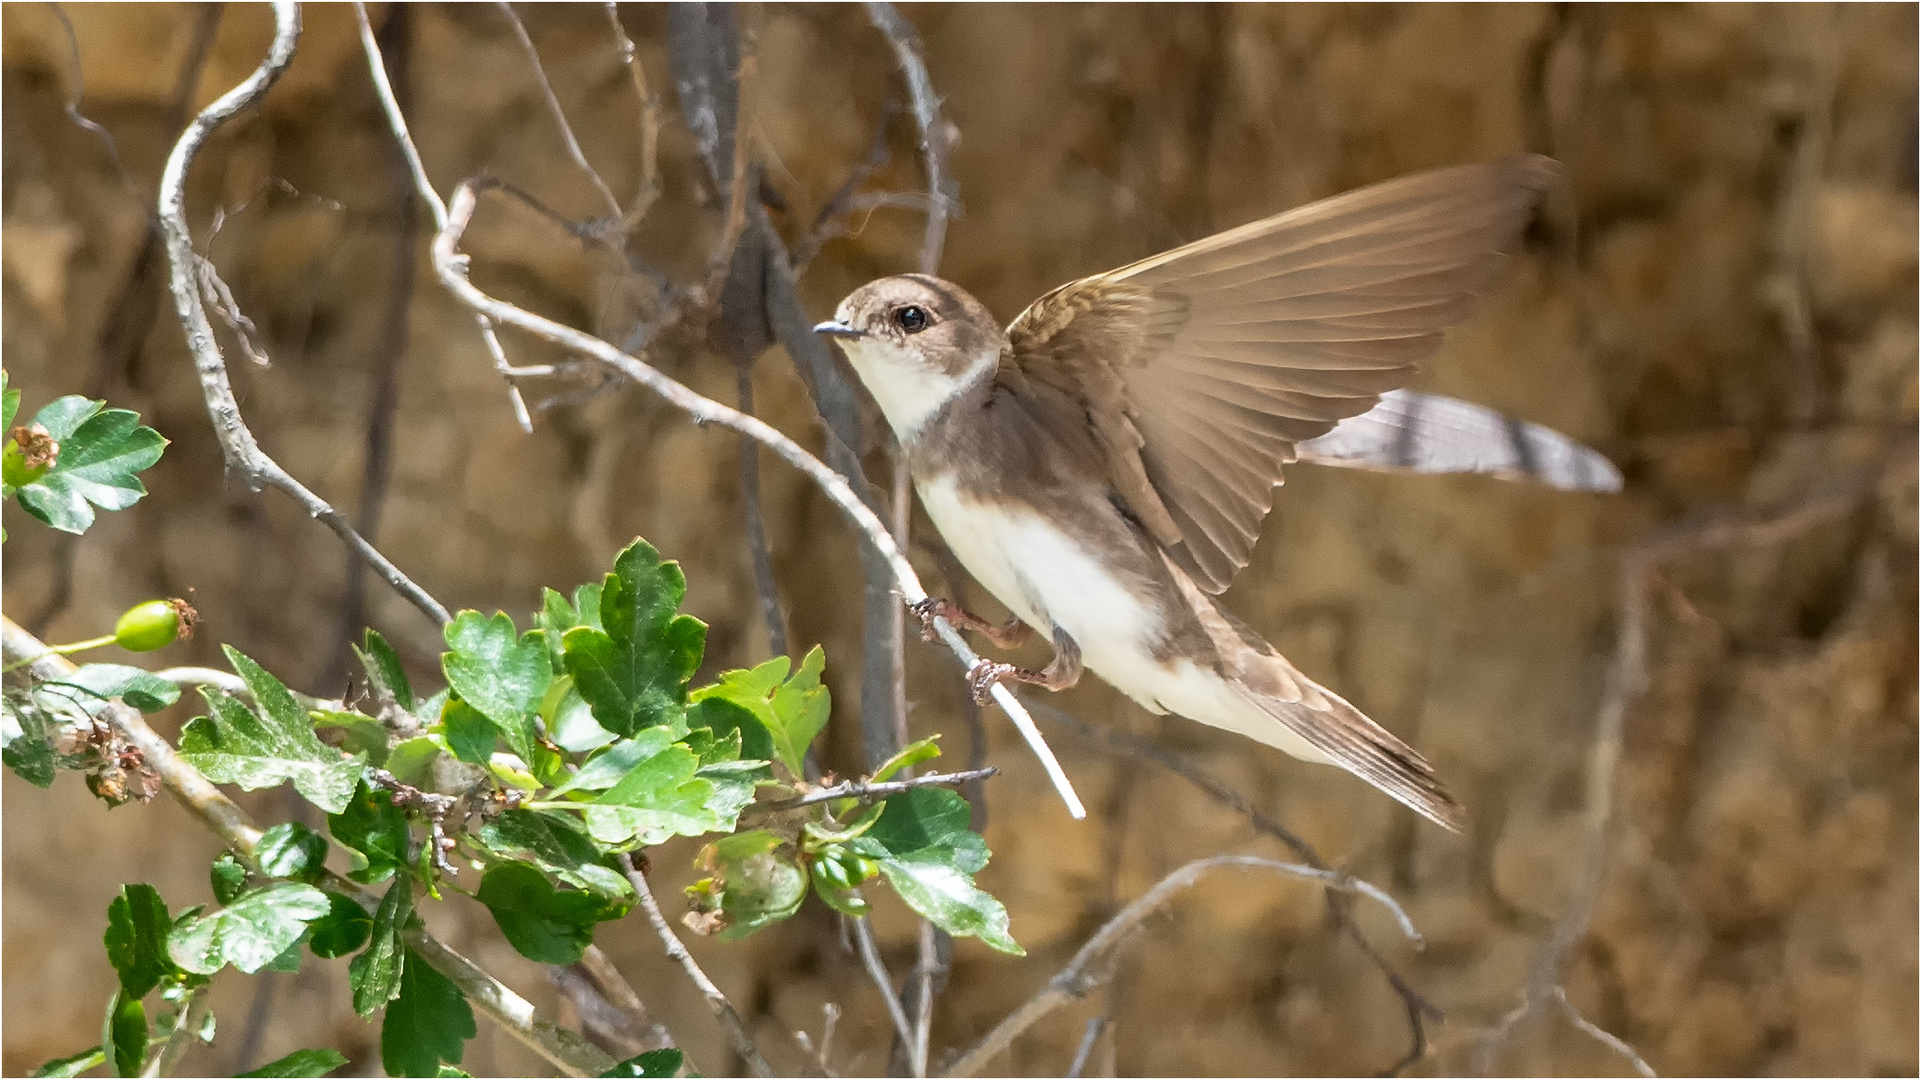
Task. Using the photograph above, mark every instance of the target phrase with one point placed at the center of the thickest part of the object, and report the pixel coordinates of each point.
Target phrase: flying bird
(1102, 465)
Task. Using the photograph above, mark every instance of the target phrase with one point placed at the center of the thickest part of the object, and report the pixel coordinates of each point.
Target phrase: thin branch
(397, 121)
(717, 1002)
(877, 971)
(1601, 1035)
(560, 114)
(933, 127)
(649, 183)
(845, 201)
(1096, 1027)
(1089, 968)
(72, 104)
(620, 993)
(564, 1049)
(867, 792)
(452, 267)
(754, 521)
(186, 1032)
(237, 444)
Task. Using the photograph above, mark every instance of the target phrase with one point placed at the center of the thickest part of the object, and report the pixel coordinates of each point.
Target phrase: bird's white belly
(1049, 578)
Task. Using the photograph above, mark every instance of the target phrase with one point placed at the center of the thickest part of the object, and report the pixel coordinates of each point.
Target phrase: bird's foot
(933, 607)
(985, 674)
(1007, 635)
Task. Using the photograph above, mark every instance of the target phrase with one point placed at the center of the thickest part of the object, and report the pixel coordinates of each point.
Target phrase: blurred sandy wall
(1723, 300)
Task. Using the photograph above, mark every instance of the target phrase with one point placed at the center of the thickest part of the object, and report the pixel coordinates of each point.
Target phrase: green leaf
(757, 883)
(912, 754)
(302, 1063)
(929, 856)
(141, 689)
(470, 734)
(499, 672)
(123, 1037)
(558, 844)
(570, 720)
(723, 718)
(26, 741)
(659, 797)
(344, 928)
(236, 745)
(427, 1024)
(384, 670)
(793, 710)
(371, 824)
(292, 850)
(362, 734)
(734, 783)
(248, 933)
(557, 616)
(606, 769)
(136, 939)
(11, 406)
(73, 1065)
(228, 878)
(100, 451)
(376, 974)
(654, 1065)
(546, 925)
(634, 670)
(410, 760)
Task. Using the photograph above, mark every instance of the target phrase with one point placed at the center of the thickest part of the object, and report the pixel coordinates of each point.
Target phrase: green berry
(146, 627)
(830, 876)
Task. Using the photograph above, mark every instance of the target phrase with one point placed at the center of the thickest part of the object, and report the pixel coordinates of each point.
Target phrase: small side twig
(1096, 1027)
(186, 1031)
(649, 182)
(877, 971)
(560, 115)
(1089, 967)
(237, 444)
(717, 1002)
(933, 127)
(867, 792)
(397, 121)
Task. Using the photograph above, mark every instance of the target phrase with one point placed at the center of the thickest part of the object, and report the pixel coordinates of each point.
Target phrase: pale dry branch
(1089, 967)
(397, 121)
(620, 993)
(883, 982)
(565, 1050)
(560, 115)
(649, 183)
(934, 136)
(237, 444)
(717, 1002)
(1096, 1027)
(452, 267)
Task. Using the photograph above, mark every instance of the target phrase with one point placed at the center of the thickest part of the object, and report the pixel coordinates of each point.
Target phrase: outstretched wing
(1427, 433)
(1202, 368)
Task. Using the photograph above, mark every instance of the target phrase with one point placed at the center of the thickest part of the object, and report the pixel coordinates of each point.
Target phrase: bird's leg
(1060, 673)
(1006, 635)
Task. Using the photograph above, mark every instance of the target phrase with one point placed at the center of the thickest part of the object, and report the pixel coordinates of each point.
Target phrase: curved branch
(452, 267)
(237, 444)
(1086, 971)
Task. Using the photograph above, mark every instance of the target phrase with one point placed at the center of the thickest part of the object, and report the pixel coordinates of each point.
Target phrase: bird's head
(916, 341)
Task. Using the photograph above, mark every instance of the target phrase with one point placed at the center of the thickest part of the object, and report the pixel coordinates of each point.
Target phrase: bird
(1103, 464)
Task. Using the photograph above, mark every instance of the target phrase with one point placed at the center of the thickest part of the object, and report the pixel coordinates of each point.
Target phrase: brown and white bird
(1103, 465)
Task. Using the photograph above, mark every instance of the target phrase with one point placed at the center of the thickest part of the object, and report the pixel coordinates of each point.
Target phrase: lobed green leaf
(430, 1022)
(301, 1063)
(500, 672)
(544, 924)
(248, 933)
(633, 669)
(136, 939)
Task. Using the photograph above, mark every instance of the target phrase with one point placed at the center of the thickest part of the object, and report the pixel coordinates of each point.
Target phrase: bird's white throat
(910, 390)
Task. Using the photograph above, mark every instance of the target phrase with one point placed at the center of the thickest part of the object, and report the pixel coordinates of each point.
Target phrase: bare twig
(877, 971)
(186, 1031)
(766, 587)
(649, 183)
(620, 993)
(862, 790)
(594, 1013)
(452, 267)
(560, 115)
(397, 120)
(564, 1049)
(1088, 969)
(933, 127)
(717, 1002)
(237, 444)
(1096, 1027)
(827, 223)
(79, 93)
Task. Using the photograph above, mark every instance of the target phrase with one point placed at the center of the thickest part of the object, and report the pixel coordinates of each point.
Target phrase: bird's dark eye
(911, 319)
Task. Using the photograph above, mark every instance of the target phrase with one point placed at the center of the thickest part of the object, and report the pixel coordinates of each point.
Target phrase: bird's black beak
(836, 328)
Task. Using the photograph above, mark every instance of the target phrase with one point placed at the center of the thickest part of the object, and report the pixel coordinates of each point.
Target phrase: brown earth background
(1722, 299)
